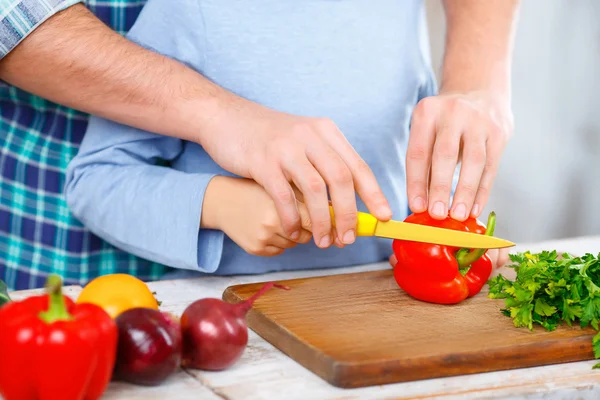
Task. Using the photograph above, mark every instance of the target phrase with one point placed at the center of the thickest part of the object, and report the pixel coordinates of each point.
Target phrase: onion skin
(149, 348)
(214, 335)
(215, 332)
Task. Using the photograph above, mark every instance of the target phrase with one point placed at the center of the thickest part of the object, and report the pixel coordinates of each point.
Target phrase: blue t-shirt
(363, 64)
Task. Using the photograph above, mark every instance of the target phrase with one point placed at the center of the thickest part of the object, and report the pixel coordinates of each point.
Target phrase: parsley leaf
(543, 308)
(551, 289)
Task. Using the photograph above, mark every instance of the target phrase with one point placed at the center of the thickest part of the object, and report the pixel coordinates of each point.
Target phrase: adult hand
(470, 129)
(280, 151)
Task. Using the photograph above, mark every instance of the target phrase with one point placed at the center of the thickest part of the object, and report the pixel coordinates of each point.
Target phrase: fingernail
(460, 211)
(419, 203)
(475, 210)
(325, 241)
(439, 209)
(295, 235)
(349, 237)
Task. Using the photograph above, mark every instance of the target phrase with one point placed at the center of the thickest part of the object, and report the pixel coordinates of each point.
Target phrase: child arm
(114, 185)
(117, 190)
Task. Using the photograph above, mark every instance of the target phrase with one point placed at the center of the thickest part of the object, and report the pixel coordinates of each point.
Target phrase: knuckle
(346, 217)
(362, 168)
(483, 190)
(416, 153)
(446, 152)
(467, 189)
(270, 225)
(301, 129)
(326, 123)
(322, 225)
(453, 104)
(316, 185)
(456, 104)
(476, 156)
(342, 175)
(495, 130)
(284, 195)
(289, 225)
(263, 235)
(416, 185)
(490, 164)
(254, 249)
(424, 108)
(441, 187)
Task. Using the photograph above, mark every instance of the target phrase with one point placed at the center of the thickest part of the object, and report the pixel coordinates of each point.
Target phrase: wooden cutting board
(361, 329)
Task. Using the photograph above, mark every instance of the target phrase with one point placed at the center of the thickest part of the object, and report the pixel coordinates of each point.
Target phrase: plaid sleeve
(18, 18)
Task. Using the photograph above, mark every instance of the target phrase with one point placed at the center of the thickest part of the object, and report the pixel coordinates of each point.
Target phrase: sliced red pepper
(52, 349)
(442, 274)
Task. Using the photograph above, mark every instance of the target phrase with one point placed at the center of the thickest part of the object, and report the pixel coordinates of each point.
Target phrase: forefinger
(364, 180)
(314, 190)
(341, 189)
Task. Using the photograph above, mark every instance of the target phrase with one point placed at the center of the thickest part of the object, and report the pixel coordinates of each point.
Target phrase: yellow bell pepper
(117, 293)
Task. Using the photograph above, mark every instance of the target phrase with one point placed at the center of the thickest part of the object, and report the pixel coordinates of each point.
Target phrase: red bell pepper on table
(51, 348)
(442, 274)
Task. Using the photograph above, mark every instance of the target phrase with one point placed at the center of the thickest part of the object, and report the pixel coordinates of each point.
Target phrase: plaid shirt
(38, 138)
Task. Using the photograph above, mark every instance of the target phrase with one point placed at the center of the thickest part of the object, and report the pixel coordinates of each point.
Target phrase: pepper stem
(57, 309)
(466, 257)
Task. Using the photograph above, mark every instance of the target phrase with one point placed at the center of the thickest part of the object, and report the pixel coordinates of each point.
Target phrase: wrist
(195, 106)
(468, 79)
(214, 202)
(205, 109)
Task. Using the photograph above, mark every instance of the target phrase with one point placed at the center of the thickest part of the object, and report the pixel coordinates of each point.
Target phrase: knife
(368, 225)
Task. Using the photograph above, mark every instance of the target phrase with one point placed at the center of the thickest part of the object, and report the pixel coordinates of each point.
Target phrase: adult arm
(470, 120)
(74, 59)
(89, 67)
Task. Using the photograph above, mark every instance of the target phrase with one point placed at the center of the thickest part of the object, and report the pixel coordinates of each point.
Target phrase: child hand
(244, 211)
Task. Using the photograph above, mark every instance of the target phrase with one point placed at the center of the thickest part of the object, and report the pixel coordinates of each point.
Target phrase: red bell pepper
(51, 348)
(442, 274)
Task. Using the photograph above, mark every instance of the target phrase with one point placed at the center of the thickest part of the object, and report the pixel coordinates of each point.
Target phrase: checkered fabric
(38, 138)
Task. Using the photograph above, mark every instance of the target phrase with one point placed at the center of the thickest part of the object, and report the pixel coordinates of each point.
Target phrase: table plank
(181, 386)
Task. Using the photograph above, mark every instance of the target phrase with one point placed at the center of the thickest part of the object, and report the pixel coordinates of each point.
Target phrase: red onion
(149, 347)
(215, 333)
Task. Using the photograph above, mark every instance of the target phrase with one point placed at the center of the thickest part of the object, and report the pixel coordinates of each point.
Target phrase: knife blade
(368, 225)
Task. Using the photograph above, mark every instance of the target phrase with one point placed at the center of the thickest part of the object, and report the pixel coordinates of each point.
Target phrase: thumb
(304, 217)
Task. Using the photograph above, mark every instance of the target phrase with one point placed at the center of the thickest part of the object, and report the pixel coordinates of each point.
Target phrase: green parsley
(550, 290)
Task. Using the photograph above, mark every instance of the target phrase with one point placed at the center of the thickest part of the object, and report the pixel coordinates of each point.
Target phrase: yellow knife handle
(365, 225)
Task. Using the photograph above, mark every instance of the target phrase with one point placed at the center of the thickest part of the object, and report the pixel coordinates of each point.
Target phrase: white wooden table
(264, 372)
